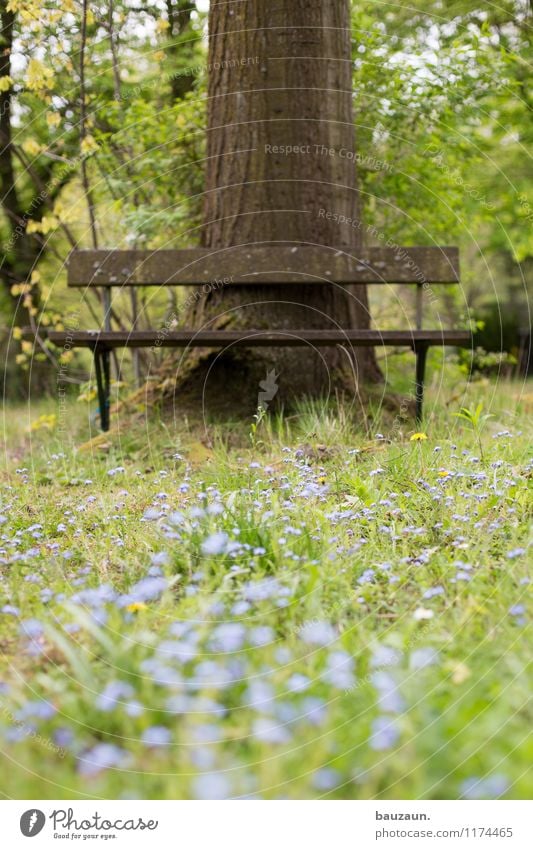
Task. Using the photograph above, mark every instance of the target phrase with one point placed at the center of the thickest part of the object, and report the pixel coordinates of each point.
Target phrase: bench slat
(262, 265)
(256, 338)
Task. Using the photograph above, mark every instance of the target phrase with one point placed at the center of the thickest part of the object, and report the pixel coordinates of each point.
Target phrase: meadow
(296, 608)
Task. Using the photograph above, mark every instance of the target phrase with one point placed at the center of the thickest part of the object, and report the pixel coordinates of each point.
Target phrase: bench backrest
(263, 265)
(258, 265)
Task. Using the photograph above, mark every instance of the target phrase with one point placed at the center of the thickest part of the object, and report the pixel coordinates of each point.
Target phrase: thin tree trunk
(281, 168)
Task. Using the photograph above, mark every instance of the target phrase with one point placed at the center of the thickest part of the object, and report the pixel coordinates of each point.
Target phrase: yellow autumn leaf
(89, 145)
(64, 213)
(31, 147)
(48, 223)
(460, 673)
(20, 289)
(53, 119)
(38, 75)
(27, 9)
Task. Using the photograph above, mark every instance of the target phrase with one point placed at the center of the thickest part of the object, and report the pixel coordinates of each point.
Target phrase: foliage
(107, 122)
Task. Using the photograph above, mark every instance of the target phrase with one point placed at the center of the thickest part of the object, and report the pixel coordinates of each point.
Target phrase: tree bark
(281, 169)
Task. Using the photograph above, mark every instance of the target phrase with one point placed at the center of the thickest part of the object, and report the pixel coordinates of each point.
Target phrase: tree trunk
(281, 169)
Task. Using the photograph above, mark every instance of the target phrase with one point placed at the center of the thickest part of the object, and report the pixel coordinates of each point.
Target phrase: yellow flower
(135, 607)
(45, 421)
(444, 473)
(418, 437)
(322, 481)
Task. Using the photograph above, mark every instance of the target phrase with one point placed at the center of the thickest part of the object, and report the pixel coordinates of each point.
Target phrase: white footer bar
(268, 825)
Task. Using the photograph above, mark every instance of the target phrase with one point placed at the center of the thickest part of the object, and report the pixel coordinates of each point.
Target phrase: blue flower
(133, 708)
(31, 628)
(151, 514)
(102, 756)
(262, 635)
(95, 597)
(384, 735)
(421, 658)
(113, 693)
(211, 785)
(314, 710)
(160, 559)
(157, 735)
(491, 787)
(298, 683)
(63, 737)
(433, 591)
(367, 577)
(180, 650)
(267, 730)
(318, 633)
(228, 637)
(147, 589)
(264, 589)
(210, 674)
(385, 656)
(339, 670)
(260, 696)
(326, 779)
(215, 544)
(36, 710)
(390, 699)
(207, 733)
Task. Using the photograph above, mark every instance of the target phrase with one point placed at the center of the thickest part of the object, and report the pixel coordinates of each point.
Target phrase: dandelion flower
(135, 607)
(418, 437)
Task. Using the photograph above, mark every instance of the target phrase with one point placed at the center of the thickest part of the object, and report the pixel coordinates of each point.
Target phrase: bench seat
(254, 338)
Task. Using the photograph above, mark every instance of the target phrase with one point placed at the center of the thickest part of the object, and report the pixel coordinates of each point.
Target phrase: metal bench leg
(101, 367)
(421, 351)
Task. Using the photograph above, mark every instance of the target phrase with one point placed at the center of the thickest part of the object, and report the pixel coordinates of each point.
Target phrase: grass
(308, 610)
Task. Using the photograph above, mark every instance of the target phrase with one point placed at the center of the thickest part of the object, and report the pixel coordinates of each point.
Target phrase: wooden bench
(258, 265)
